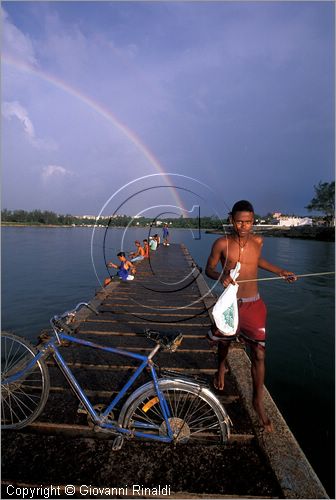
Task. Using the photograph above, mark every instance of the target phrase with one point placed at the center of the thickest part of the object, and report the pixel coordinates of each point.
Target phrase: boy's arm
(213, 259)
(287, 275)
(110, 264)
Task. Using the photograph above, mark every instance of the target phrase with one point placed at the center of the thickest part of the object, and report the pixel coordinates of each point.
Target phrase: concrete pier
(61, 448)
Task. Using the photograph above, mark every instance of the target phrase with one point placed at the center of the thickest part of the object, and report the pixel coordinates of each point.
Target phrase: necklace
(241, 247)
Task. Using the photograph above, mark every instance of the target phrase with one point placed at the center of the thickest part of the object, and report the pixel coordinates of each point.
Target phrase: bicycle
(171, 408)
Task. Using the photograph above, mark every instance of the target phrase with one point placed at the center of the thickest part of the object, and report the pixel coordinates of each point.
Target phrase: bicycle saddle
(169, 340)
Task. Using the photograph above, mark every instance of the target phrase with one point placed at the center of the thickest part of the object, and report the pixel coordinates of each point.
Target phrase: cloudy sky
(235, 95)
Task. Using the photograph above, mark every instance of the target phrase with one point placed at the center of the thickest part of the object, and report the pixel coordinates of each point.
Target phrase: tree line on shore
(324, 202)
(47, 218)
(39, 217)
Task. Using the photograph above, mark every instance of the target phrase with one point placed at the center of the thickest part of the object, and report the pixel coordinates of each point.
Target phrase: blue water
(47, 270)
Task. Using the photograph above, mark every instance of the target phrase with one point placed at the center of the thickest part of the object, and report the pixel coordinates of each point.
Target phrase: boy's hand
(226, 279)
(288, 276)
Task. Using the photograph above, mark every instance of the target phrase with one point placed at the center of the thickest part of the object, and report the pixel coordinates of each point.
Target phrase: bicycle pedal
(117, 443)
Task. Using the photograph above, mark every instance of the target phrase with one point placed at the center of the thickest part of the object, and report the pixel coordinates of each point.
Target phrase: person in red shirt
(146, 249)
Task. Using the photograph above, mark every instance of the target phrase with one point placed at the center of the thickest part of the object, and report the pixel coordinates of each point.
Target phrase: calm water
(45, 271)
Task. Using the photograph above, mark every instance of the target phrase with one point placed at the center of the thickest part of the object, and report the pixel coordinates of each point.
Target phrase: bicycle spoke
(11, 411)
(191, 416)
(23, 398)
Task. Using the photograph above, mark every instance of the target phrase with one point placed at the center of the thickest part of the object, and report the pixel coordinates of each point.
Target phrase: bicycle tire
(196, 414)
(23, 400)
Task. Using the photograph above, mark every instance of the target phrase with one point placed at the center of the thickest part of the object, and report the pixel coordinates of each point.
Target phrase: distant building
(295, 221)
(103, 217)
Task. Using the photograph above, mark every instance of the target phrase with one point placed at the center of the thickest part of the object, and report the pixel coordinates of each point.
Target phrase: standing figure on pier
(245, 247)
(165, 235)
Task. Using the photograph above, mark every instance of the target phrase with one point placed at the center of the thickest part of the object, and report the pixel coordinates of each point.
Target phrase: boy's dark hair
(145, 241)
(121, 254)
(242, 206)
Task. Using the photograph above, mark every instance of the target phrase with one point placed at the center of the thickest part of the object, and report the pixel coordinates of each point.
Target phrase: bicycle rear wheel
(195, 413)
(22, 400)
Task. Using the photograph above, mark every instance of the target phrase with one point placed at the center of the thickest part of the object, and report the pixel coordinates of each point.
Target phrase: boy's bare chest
(247, 254)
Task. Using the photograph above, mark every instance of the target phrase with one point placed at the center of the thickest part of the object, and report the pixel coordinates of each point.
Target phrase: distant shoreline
(158, 228)
(23, 224)
(317, 233)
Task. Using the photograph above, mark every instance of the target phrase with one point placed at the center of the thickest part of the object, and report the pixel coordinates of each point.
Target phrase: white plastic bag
(225, 311)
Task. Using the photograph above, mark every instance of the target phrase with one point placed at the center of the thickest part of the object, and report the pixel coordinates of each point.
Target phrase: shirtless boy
(244, 246)
(139, 254)
(146, 249)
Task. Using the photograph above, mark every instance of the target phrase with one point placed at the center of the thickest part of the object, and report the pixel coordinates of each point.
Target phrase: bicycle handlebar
(60, 322)
(80, 304)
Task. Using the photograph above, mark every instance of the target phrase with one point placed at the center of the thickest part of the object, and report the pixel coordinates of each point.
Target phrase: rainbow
(112, 118)
(98, 108)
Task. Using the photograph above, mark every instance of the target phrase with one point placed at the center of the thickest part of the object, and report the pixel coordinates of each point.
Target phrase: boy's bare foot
(265, 422)
(219, 378)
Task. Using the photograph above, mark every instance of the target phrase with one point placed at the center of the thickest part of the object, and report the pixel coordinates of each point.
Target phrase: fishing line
(285, 277)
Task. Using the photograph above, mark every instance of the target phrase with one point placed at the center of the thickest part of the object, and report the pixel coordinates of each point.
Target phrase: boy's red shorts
(252, 322)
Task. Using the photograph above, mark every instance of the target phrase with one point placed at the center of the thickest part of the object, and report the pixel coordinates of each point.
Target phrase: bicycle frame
(102, 419)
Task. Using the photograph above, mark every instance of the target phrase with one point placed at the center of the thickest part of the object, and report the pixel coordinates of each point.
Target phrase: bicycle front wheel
(22, 399)
(195, 414)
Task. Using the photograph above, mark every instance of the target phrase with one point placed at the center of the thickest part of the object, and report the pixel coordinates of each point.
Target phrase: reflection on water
(45, 271)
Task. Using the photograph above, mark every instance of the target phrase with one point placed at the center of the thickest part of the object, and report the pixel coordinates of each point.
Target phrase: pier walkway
(61, 448)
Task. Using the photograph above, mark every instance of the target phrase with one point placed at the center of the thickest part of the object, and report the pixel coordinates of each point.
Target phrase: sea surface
(48, 270)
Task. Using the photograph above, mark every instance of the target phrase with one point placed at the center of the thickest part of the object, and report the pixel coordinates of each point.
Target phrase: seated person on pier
(126, 268)
(157, 238)
(139, 254)
(146, 249)
(152, 243)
